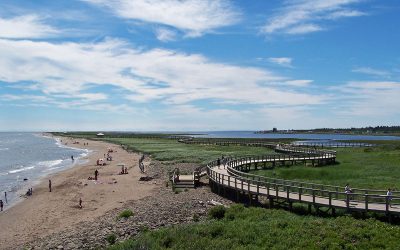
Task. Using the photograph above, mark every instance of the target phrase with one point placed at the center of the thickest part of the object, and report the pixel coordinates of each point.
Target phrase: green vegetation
(374, 168)
(257, 228)
(111, 239)
(169, 150)
(217, 212)
(125, 214)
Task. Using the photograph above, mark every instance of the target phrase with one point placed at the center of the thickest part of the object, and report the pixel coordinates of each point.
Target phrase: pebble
(165, 208)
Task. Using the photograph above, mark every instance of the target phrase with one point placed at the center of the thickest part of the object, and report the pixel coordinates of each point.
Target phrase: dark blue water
(251, 134)
(30, 156)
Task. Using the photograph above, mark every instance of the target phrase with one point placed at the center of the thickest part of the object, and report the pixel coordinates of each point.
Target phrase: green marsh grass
(257, 228)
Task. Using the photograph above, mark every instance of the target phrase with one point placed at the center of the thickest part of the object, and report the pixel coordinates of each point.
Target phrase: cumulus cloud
(144, 75)
(27, 26)
(194, 17)
(306, 16)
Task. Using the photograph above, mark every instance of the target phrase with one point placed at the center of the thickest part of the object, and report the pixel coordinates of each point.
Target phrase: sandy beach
(47, 212)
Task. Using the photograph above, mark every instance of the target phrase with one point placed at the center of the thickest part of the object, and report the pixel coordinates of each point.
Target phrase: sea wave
(49, 164)
(20, 169)
(4, 149)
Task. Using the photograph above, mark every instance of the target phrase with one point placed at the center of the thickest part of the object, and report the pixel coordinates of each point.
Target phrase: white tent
(100, 134)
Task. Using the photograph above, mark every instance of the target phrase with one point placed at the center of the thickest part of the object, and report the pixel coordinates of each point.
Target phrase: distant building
(100, 134)
(274, 130)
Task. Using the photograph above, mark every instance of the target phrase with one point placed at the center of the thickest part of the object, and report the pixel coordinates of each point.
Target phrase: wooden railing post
(330, 198)
(313, 196)
(287, 193)
(387, 204)
(366, 202)
(300, 191)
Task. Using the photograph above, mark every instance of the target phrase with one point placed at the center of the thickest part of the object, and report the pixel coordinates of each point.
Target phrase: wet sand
(47, 212)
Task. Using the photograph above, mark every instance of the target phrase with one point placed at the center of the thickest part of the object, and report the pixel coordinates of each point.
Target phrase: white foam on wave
(49, 164)
(20, 169)
(4, 149)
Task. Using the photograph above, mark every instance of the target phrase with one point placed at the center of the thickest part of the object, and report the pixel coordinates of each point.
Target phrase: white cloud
(165, 35)
(303, 29)
(282, 61)
(194, 17)
(28, 26)
(371, 71)
(174, 78)
(299, 83)
(304, 16)
(371, 100)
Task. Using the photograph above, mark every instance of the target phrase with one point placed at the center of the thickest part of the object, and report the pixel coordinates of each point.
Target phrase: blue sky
(149, 65)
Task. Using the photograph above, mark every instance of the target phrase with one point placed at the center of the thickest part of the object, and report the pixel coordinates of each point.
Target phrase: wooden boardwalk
(231, 175)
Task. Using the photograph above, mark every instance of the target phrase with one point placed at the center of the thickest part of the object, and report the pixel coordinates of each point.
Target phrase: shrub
(232, 212)
(111, 238)
(144, 228)
(217, 212)
(126, 214)
(196, 217)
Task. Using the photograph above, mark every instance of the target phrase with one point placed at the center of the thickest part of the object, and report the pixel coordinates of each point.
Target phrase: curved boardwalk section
(231, 175)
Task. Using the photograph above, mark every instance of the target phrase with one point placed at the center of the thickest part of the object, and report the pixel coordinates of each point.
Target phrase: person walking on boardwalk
(49, 185)
(96, 173)
(347, 189)
(389, 197)
(1, 205)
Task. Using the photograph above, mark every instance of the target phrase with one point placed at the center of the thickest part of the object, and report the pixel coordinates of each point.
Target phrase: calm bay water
(251, 134)
(30, 156)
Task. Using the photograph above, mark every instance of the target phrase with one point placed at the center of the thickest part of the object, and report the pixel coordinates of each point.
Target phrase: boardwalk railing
(229, 175)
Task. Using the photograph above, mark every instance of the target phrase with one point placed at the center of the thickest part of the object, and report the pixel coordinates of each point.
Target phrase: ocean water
(251, 134)
(31, 156)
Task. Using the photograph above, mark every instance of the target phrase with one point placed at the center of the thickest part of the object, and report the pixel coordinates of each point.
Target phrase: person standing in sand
(1, 205)
(96, 173)
(49, 185)
(5, 196)
(80, 202)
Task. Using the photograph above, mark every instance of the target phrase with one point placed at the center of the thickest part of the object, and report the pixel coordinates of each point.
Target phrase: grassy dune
(257, 228)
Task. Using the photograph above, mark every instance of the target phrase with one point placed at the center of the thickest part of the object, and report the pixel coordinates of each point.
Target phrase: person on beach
(96, 173)
(1, 205)
(389, 195)
(5, 196)
(80, 202)
(72, 157)
(49, 185)
(126, 170)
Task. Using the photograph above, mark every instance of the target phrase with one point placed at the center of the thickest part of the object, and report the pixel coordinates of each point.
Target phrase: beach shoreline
(47, 212)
